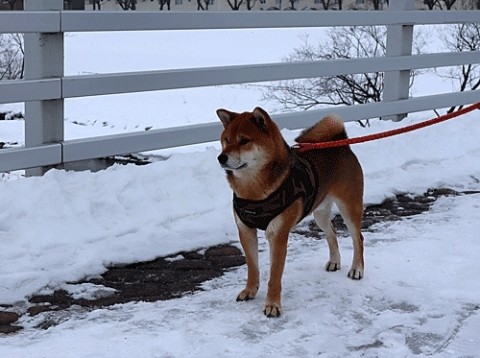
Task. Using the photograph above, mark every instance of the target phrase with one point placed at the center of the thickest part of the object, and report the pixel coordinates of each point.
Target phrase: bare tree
(460, 38)
(203, 4)
(472, 4)
(127, 4)
(251, 3)
(449, 3)
(96, 4)
(431, 4)
(327, 4)
(11, 56)
(340, 43)
(377, 4)
(163, 3)
(12, 4)
(292, 4)
(235, 4)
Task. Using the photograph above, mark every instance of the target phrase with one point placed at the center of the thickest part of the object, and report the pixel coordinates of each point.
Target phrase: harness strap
(301, 183)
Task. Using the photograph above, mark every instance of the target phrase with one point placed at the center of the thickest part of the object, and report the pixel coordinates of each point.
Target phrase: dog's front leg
(277, 236)
(249, 241)
(278, 253)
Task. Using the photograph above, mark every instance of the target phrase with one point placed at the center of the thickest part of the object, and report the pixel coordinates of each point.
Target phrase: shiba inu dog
(275, 186)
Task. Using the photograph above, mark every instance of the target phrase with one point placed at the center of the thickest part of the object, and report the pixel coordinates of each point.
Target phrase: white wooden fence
(45, 86)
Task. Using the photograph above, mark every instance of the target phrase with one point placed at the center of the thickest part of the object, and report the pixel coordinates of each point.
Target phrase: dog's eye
(243, 141)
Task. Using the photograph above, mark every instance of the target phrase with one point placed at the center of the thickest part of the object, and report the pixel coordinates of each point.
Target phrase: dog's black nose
(222, 159)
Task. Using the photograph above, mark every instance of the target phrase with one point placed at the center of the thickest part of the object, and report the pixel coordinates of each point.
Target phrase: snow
(419, 295)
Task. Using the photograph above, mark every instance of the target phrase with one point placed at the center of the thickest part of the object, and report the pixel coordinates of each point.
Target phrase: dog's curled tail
(329, 128)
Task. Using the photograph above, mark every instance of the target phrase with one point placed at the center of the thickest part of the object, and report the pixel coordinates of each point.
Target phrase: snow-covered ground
(419, 297)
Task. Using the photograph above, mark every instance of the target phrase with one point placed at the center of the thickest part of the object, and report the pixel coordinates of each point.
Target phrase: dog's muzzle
(223, 160)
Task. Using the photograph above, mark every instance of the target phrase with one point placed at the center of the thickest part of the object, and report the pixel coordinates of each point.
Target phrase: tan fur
(257, 161)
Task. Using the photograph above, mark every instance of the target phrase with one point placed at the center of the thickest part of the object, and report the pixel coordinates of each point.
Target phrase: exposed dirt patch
(393, 209)
(174, 276)
(161, 279)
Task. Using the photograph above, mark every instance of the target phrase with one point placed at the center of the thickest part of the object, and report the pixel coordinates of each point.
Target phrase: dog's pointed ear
(225, 116)
(261, 119)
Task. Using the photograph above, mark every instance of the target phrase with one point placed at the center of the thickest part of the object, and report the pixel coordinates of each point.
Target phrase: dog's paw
(355, 273)
(332, 266)
(272, 310)
(246, 295)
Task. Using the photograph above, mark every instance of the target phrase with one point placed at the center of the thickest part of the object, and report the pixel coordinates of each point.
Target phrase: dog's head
(249, 140)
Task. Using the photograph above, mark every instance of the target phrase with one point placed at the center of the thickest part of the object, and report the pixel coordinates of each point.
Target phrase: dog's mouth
(227, 167)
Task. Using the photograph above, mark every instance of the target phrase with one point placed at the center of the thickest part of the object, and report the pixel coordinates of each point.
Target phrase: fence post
(399, 43)
(43, 59)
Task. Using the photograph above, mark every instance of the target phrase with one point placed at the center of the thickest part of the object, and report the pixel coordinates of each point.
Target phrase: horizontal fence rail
(94, 85)
(104, 146)
(52, 90)
(85, 21)
(171, 137)
(30, 90)
(112, 21)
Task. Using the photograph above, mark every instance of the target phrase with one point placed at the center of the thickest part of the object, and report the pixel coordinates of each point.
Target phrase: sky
(419, 296)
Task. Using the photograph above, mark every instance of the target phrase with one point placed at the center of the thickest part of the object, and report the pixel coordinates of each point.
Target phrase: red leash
(340, 143)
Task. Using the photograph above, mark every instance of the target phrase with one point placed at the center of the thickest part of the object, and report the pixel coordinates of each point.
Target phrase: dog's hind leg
(249, 241)
(352, 214)
(322, 218)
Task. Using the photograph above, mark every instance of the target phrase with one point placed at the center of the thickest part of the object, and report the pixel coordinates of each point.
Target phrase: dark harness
(301, 183)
